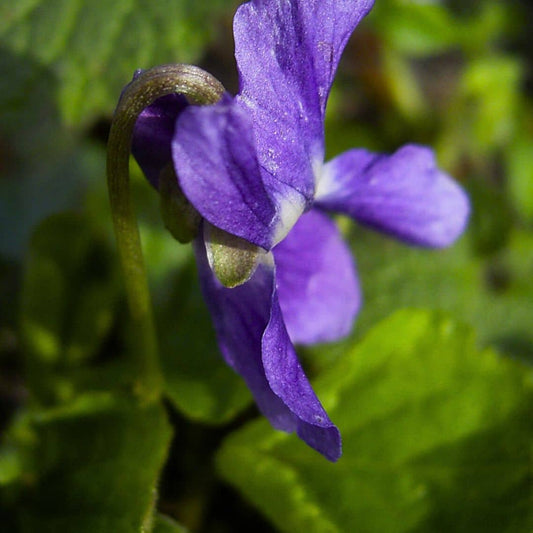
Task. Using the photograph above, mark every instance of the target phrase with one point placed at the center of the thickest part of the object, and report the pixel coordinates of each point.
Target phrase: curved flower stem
(200, 88)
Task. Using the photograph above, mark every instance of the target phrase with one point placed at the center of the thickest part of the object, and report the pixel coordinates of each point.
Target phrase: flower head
(253, 166)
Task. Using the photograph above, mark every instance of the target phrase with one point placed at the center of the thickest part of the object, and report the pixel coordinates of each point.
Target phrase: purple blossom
(253, 166)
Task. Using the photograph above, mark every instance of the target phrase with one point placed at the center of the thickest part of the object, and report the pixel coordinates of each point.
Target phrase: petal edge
(404, 195)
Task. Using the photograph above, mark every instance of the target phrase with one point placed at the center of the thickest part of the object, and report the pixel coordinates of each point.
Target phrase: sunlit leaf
(436, 436)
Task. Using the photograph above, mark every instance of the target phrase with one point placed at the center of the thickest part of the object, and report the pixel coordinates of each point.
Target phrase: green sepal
(179, 215)
(232, 259)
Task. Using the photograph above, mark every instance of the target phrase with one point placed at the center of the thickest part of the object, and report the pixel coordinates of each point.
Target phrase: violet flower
(253, 166)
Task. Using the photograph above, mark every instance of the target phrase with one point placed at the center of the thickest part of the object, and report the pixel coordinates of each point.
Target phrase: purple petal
(287, 379)
(254, 342)
(287, 54)
(404, 195)
(216, 162)
(317, 283)
(293, 46)
(240, 316)
(152, 136)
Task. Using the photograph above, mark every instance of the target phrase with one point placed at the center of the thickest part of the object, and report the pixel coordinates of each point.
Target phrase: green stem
(200, 88)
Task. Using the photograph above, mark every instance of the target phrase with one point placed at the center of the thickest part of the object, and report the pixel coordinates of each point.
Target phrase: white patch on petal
(324, 179)
(291, 207)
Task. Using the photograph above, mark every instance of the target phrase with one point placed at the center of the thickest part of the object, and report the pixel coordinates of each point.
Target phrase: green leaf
(96, 466)
(164, 524)
(490, 89)
(437, 437)
(428, 28)
(491, 221)
(415, 27)
(520, 171)
(10, 465)
(483, 113)
(493, 294)
(198, 381)
(69, 294)
(88, 50)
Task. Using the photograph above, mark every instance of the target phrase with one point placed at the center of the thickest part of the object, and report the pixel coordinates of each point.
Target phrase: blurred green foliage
(88, 48)
(90, 466)
(435, 415)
